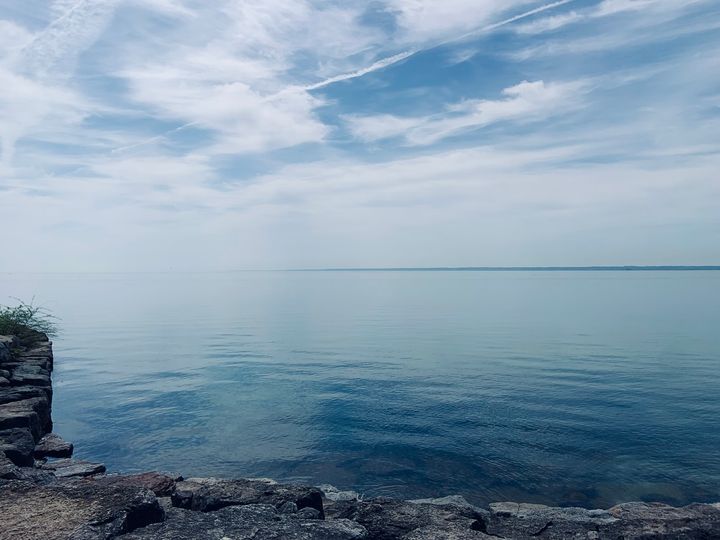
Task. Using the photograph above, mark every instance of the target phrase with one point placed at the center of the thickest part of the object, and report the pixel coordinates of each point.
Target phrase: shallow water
(584, 388)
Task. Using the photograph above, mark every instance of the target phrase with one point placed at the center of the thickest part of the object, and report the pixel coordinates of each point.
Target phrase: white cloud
(523, 102)
(423, 20)
(548, 24)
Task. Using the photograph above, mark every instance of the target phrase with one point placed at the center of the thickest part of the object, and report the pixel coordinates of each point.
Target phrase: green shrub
(17, 320)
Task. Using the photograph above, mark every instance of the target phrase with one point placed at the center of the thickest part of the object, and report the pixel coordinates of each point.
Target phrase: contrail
(151, 139)
(390, 60)
(380, 64)
(375, 66)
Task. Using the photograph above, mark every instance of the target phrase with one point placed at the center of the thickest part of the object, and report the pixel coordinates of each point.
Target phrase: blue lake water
(583, 388)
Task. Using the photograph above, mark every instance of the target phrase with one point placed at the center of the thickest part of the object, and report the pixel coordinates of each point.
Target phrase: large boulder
(77, 510)
(207, 494)
(247, 522)
(17, 445)
(52, 445)
(31, 413)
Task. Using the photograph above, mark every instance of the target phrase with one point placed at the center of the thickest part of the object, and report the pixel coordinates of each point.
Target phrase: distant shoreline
(519, 269)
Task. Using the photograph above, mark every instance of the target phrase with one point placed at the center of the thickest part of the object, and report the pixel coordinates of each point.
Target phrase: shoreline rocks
(42, 498)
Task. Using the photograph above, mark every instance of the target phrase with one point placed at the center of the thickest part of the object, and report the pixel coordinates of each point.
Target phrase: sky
(186, 135)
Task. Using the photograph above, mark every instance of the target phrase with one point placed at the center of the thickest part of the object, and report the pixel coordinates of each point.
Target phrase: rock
(52, 445)
(5, 354)
(308, 513)
(388, 519)
(11, 342)
(450, 531)
(17, 445)
(4, 381)
(334, 494)
(31, 375)
(32, 414)
(81, 510)
(7, 468)
(18, 393)
(207, 494)
(450, 500)
(654, 520)
(288, 507)
(162, 485)
(633, 520)
(65, 468)
(253, 521)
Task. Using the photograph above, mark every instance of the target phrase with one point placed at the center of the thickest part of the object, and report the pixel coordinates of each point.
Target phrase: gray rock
(254, 521)
(65, 468)
(32, 414)
(207, 494)
(162, 485)
(308, 513)
(19, 393)
(11, 342)
(52, 445)
(4, 381)
(5, 354)
(17, 445)
(633, 520)
(388, 519)
(450, 531)
(31, 375)
(288, 507)
(76, 510)
(332, 493)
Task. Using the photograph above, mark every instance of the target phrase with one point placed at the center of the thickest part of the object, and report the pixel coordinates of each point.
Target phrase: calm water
(585, 388)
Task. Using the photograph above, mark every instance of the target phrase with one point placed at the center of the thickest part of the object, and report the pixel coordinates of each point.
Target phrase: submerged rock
(248, 522)
(77, 510)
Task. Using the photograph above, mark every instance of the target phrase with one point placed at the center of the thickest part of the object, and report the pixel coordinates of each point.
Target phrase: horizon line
(512, 268)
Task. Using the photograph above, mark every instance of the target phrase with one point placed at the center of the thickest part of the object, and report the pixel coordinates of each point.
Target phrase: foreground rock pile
(44, 495)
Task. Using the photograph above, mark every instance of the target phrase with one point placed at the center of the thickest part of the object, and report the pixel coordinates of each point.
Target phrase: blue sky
(144, 135)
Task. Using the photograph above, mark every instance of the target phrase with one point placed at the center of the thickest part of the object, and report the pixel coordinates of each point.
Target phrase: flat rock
(162, 485)
(207, 494)
(633, 520)
(52, 445)
(253, 521)
(388, 519)
(32, 414)
(77, 510)
(17, 445)
(65, 468)
(19, 393)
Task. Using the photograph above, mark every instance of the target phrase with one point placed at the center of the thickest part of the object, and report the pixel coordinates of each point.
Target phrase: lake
(564, 388)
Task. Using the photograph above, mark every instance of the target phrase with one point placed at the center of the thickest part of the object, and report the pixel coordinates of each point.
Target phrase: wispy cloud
(524, 102)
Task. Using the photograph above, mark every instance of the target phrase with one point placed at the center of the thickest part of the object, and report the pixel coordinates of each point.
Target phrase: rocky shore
(45, 494)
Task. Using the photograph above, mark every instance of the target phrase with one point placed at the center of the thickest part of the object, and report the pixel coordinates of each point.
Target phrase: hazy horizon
(148, 135)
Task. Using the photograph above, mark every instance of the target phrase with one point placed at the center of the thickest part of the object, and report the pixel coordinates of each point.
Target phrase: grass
(17, 320)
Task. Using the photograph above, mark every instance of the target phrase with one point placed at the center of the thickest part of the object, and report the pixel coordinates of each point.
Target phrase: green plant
(19, 319)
